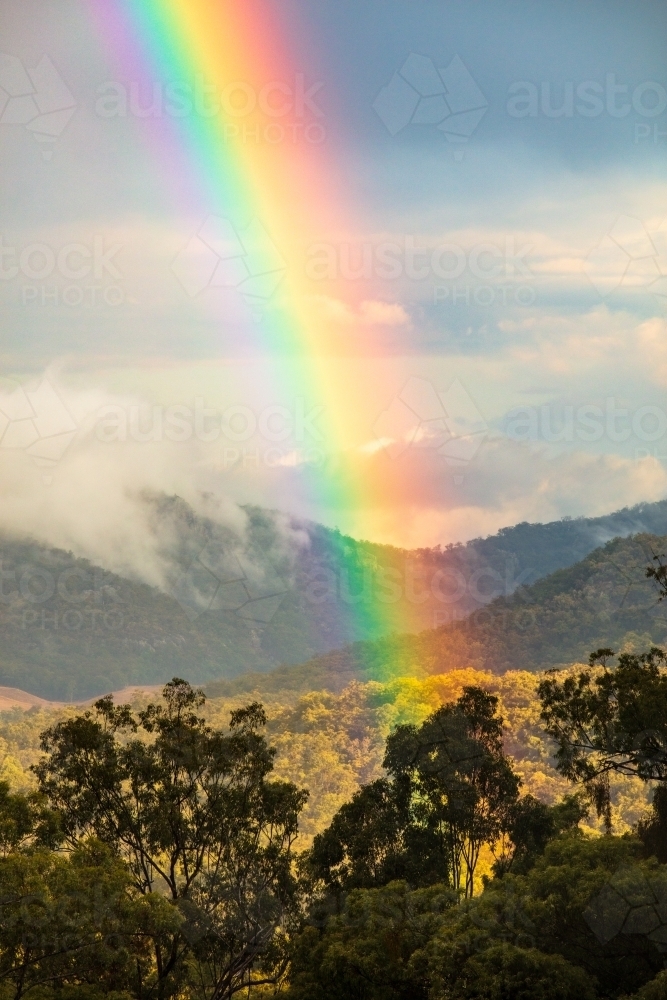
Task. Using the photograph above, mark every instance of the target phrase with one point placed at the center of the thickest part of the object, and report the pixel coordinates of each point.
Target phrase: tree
(652, 828)
(588, 916)
(609, 719)
(585, 899)
(192, 814)
(505, 972)
(68, 925)
(366, 951)
(374, 839)
(25, 820)
(450, 789)
(655, 990)
(658, 573)
(463, 784)
(530, 825)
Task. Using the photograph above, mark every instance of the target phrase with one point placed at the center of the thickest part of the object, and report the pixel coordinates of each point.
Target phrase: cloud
(104, 499)
(420, 503)
(383, 314)
(371, 312)
(596, 353)
(95, 503)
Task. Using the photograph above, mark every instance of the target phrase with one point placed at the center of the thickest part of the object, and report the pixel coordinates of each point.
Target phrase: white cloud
(370, 312)
(508, 483)
(96, 500)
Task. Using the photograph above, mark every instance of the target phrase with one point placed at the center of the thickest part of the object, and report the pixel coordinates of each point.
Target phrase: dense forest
(601, 599)
(154, 849)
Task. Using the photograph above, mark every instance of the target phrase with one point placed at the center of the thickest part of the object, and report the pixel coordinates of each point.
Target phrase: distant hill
(440, 585)
(70, 630)
(603, 600)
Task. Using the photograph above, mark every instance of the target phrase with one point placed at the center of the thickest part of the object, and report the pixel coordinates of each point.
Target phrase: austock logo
(221, 256)
(216, 580)
(628, 257)
(278, 111)
(35, 420)
(69, 599)
(421, 94)
(69, 274)
(448, 423)
(38, 99)
(630, 903)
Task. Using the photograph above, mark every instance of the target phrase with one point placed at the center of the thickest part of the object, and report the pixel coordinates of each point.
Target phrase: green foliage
(652, 828)
(376, 839)
(556, 908)
(25, 820)
(655, 990)
(93, 631)
(505, 972)
(366, 951)
(462, 783)
(69, 927)
(334, 743)
(531, 824)
(658, 573)
(450, 791)
(175, 873)
(609, 720)
(601, 600)
(83, 630)
(190, 811)
(537, 935)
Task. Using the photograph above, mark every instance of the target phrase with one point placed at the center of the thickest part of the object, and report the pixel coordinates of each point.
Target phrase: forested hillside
(604, 599)
(412, 837)
(334, 742)
(288, 592)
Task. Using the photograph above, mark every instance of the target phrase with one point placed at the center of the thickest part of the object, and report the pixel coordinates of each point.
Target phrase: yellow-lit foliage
(333, 743)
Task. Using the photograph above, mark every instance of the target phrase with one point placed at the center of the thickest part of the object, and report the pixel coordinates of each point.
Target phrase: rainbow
(293, 187)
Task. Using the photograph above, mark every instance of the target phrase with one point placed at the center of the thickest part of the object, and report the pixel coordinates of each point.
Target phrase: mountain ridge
(603, 600)
(71, 630)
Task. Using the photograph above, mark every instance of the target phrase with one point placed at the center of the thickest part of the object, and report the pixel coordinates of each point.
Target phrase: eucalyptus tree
(449, 790)
(192, 813)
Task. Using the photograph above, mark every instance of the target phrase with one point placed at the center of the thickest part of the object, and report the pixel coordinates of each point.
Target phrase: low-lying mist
(143, 510)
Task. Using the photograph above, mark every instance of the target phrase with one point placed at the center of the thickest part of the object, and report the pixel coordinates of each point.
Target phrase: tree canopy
(191, 812)
(611, 719)
(450, 790)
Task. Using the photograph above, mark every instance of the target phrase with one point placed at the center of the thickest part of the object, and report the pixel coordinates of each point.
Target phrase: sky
(487, 264)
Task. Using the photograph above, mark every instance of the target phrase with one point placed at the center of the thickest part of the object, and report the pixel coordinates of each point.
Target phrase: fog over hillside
(255, 590)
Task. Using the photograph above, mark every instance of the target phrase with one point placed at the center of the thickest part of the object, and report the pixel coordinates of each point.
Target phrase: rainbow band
(290, 187)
